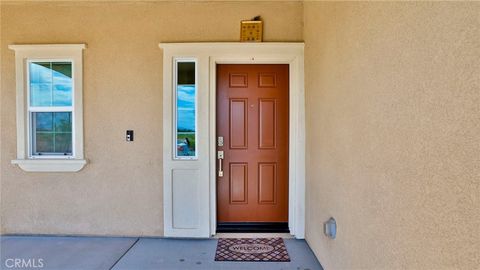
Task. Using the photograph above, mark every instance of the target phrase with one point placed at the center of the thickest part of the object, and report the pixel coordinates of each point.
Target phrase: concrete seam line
(126, 251)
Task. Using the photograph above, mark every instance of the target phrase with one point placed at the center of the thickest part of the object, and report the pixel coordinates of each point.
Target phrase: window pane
(52, 133)
(63, 123)
(43, 121)
(40, 94)
(62, 95)
(62, 84)
(44, 143)
(63, 142)
(62, 70)
(50, 84)
(186, 110)
(40, 72)
(186, 73)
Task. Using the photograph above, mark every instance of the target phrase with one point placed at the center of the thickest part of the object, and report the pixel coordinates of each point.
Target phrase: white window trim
(50, 52)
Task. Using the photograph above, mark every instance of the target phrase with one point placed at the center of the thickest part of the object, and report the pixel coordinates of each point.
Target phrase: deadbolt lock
(220, 141)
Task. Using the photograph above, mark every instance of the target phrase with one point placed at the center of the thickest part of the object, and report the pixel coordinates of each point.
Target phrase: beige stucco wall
(120, 191)
(393, 105)
(393, 122)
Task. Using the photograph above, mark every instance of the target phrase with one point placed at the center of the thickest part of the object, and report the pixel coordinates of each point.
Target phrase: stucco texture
(119, 192)
(393, 124)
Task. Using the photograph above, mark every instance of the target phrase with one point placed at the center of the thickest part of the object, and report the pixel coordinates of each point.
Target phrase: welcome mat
(252, 250)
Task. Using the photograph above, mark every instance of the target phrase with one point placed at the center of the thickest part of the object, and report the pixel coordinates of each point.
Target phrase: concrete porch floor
(59, 252)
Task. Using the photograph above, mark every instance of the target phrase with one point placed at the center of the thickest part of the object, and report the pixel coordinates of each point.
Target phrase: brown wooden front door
(253, 118)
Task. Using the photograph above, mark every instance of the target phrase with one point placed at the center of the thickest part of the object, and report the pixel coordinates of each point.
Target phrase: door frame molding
(209, 55)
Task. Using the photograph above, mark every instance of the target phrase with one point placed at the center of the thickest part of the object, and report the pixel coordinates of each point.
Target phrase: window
(49, 107)
(186, 110)
(50, 88)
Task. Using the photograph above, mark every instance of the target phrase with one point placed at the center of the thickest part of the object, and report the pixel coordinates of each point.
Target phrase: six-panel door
(252, 118)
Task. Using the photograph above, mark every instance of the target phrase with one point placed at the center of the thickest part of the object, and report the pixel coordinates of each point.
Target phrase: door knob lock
(220, 157)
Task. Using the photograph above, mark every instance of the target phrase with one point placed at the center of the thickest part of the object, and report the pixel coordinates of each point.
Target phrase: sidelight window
(186, 109)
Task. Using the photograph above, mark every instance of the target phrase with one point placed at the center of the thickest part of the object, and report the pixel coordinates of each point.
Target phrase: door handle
(220, 163)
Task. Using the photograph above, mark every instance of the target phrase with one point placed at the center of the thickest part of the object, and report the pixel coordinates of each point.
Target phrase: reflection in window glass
(50, 84)
(186, 110)
(52, 133)
(50, 108)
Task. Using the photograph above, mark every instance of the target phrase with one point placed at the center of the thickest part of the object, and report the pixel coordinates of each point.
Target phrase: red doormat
(251, 250)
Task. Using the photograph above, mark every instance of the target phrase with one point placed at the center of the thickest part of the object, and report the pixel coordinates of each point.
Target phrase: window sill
(50, 165)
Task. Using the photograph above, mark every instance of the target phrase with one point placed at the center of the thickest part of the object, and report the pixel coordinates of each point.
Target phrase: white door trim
(209, 55)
